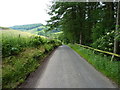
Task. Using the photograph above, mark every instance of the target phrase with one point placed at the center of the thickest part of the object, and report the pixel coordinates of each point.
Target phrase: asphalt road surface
(66, 69)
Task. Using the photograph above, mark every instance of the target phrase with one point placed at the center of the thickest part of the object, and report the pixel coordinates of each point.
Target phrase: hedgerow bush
(22, 54)
(48, 47)
(36, 41)
(106, 42)
(12, 45)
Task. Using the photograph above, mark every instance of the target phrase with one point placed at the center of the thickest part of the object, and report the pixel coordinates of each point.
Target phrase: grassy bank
(22, 53)
(101, 62)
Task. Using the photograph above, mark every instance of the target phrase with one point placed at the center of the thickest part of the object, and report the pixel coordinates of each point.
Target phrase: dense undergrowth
(100, 62)
(106, 42)
(22, 53)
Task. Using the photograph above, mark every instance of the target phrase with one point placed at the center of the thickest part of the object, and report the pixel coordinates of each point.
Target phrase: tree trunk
(116, 44)
(80, 38)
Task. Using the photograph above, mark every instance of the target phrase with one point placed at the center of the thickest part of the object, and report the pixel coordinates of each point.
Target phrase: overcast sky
(20, 12)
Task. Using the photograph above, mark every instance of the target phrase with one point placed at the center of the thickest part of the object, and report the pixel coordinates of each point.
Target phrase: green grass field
(22, 53)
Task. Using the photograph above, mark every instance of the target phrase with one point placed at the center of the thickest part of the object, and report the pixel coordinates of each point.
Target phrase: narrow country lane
(66, 69)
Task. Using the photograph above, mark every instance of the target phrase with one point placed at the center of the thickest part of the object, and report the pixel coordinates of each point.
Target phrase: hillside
(22, 53)
(26, 27)
(38, 29)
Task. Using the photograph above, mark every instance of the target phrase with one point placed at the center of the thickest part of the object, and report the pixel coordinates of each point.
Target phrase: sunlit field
(22, 53)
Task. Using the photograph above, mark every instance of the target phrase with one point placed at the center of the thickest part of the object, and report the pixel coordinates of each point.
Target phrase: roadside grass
(17, 68)
(101, 62)
(22, 53)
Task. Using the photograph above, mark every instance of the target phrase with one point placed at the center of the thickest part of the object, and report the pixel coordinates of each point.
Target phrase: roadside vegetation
(22, 53)
(38, 29)
(100, 61)
(93, 24)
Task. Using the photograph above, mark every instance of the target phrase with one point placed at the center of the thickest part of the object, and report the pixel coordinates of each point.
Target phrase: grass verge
(21, 54)
(17, 68)
(101, 62)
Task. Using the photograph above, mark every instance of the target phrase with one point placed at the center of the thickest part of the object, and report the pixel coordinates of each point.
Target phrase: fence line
(117, 55)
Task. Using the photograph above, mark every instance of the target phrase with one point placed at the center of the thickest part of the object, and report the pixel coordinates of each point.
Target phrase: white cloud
(19, 12)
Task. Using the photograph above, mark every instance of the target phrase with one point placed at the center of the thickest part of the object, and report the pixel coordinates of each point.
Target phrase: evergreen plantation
(92, 23)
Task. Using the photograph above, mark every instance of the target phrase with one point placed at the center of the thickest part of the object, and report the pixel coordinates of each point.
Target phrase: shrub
(15, 50)
(38, 55)
(51, 42)
(48, 47)
(105, 42)
(36, 41)
(16, 67)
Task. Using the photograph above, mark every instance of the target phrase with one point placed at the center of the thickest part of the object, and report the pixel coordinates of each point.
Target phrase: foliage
(16, 68)
(36, 41)
(85, 23)
(21, 54)
(50, 34)
(38, 29)
(97, 31)
(14, 41)
(105, 42)
(100, 62)
(77, 19)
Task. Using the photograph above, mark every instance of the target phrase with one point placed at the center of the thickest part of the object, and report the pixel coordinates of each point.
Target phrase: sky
(20, 12)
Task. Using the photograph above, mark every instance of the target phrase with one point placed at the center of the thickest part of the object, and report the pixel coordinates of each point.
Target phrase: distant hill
(38, 29)
(26, 27)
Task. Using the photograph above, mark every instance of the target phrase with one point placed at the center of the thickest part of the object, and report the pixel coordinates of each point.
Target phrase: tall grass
(21, 54)
(100, 62)
(13, 41)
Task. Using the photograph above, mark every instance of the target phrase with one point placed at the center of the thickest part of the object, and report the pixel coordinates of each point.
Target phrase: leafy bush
(51, 42)
(97, 31)
(105, 42)
(36, 41)
(14, 50)
(38, 55)
(12, 43)
(22, 54)
(48, 47)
